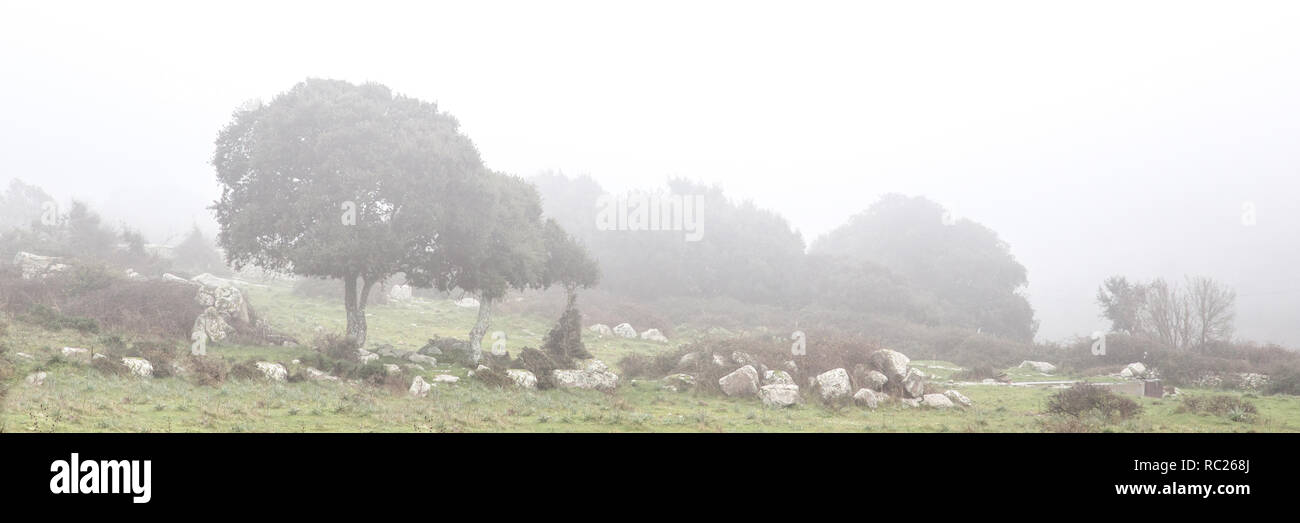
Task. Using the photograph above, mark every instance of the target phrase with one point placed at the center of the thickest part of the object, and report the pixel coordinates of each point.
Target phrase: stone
(134, 276)
(422, 359)
(743, 358)
(911, 403)
(957, 398)
(876, 380)
(227, 299)
(678, 382)
(1134, 370)
(936, 401)
(1038, 366)
(654, 335)
(741, 382)
(419, 387)
(388, 351)
(913, 384)
(390, 368)
(893, 364)
(33, 266)
(445, 378)
(522, 378)
(867, 397)
(777, 377)
(36, 379)
(593, 374)
(167, 276)
(272, 371)
(318, 375)
(833, 385)
(601, 330)
(721, 361)
(75, 353)
(139, 367)
(365, 356)
(624, 330)
(211, 326)
(400, 293)
(779, 395)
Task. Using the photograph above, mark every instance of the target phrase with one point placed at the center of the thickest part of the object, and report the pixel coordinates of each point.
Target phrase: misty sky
(1100, 139)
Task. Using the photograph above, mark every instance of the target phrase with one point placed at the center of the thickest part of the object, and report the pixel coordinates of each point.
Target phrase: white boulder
(833, 385)
(654, 335)
(272, 371)
(139, 366)
(779, 395)
(522, 378)
(624, 330)
(419, 387)
(1039, 366)
(741, 382)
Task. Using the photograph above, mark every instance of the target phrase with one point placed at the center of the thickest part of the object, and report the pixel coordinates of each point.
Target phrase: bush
(1084, 398)
(53, 320)
(109, 366)
(336, 346)
(1231, 407)
(209, 370)
(160, 354)
(538, 363)
(564, 341)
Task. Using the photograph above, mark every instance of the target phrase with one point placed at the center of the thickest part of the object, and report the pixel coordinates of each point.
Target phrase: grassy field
(77, 398)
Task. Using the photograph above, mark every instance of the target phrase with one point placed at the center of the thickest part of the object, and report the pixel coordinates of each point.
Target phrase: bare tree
(1212, 306)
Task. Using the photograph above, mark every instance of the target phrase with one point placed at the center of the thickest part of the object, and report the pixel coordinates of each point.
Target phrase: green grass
(75, 398)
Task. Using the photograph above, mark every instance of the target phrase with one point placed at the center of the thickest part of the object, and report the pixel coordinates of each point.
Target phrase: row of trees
(336, 180)
(899, 257)
(1198, 312)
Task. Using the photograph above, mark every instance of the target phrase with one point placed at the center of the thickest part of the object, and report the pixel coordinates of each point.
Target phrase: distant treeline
(900, 257)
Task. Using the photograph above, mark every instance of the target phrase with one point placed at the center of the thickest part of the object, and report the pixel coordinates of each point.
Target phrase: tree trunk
(480, 328)
(355, 304)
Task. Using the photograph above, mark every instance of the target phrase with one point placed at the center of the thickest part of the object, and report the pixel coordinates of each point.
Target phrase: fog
(1104, 139)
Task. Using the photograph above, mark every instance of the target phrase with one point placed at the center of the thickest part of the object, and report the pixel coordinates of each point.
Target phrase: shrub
(109, 366)
(160, 354)
(538, 363)
(564, 341)
(209, 370)
(1231, 407)
(336, 346)
(52, 319)
(1083, 398)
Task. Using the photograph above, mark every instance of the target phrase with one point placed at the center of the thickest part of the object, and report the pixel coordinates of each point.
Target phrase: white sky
(1096, 139)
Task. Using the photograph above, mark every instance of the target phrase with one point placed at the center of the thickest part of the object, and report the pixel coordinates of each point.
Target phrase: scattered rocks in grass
(318, 375)
(422, 359)
(522, 378)
(654, 335)
(365, 356)
(75, 353)
(741, 382)
(139, 367)
(1038, 366)
(593, 374)
(601, 330)
(272, 371)
(779, 395)
(36, 379)
(867, 398)
(833, 385)
(936, 401)
(419, 387)
(445, 378)
(624, 330)
(957, 398)
(392, 369)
